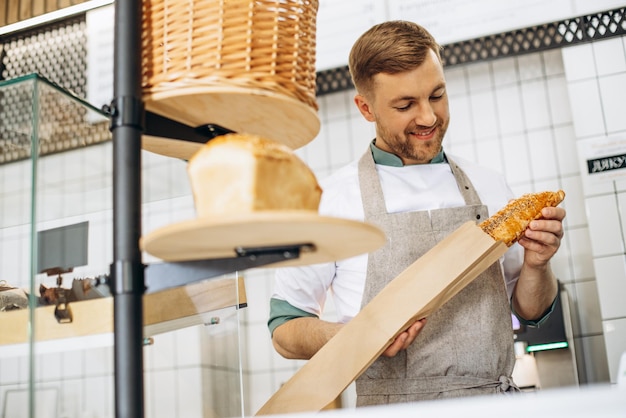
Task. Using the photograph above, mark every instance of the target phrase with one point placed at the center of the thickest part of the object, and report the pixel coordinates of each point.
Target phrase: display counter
(601, 401)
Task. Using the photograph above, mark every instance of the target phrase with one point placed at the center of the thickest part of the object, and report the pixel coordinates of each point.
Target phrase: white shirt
(410, 188)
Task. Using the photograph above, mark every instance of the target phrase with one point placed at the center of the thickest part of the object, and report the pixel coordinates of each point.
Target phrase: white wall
(596, 82)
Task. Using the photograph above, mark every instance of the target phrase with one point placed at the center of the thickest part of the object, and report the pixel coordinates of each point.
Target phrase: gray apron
(466, 348)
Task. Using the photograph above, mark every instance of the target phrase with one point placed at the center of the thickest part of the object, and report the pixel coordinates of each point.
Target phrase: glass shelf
(57, 359)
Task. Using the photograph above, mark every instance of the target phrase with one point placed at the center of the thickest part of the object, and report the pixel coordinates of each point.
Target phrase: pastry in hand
(510, 222)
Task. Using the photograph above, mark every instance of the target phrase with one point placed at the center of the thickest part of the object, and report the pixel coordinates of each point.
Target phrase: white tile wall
(479, 77)
(596, 74)
(517, 165)
(489, 154)
(588, 305)
(535, 105)
(485, 122)
(50, 367)
(579, 63)
(189, 392)
(559, 100)
(542, 154)
(587, 115)
(581, 258)
(505, 72)
(164, 402)
(607, 58)
(520, 115)
(612, 88)
(71, 406)
(615, 338)
(604, 225)
(10, 369)
(530, 67)
(611, 279)
(567, 155)
(591, 358)
(73, 364)
(460, 115)
(509, 103)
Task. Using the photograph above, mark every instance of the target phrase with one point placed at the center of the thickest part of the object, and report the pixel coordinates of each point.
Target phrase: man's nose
(425, 116)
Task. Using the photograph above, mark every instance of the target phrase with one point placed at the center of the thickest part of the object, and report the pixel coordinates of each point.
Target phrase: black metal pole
(127, 270)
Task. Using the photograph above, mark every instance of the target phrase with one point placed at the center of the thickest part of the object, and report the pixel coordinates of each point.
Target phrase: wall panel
(12, 11)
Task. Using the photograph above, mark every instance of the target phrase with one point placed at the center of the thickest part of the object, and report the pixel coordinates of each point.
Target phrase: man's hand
(542, 238)
(537, 286)
(405, 338)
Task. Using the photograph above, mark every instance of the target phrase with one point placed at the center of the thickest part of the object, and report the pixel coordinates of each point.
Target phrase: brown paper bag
(455, 261)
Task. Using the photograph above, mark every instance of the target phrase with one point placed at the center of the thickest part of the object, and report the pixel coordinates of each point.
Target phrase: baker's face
(410, 110)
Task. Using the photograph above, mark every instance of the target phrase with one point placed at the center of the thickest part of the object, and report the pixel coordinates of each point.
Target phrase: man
(405, 184)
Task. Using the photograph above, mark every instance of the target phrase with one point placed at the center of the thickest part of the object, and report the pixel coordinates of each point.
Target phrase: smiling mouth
(424, 134)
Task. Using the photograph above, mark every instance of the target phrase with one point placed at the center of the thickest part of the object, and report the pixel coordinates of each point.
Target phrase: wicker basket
(246, 65)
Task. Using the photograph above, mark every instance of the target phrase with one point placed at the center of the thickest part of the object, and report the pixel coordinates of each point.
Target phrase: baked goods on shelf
(510, 222)
(12, 297)
(253, 193)
(239, 174)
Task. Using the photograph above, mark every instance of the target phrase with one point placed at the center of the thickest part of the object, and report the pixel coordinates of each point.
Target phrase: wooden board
(13, 9)
(455, 262)
(175, 148)
(243, 110)
(163, 311)
(39, 7)
(206, 238)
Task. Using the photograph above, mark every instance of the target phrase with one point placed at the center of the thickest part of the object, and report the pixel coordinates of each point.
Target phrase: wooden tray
(163, 311)
(176, 148)
(258, 112)
(206, 238)
(455, 261)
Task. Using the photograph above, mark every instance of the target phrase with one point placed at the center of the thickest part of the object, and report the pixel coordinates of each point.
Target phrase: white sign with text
(603, 158)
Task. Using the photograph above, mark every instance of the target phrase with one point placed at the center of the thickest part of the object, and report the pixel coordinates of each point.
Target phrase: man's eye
(403, 108)
(435, 98)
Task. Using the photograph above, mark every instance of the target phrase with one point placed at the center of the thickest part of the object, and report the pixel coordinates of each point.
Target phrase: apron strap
(373, 192)
(463, 182)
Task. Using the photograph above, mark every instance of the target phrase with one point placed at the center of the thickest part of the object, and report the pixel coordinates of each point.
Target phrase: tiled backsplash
(596, 78)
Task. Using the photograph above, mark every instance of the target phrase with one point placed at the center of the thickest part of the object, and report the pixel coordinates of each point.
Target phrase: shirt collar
(386, 158)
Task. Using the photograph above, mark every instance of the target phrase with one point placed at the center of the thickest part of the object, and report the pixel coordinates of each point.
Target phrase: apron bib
(466, 348)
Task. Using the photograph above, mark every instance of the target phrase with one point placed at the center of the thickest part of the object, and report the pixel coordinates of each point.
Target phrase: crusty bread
(510, 222)
(238, 174)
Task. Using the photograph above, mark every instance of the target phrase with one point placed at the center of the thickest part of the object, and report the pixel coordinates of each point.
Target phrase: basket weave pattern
(261, 44)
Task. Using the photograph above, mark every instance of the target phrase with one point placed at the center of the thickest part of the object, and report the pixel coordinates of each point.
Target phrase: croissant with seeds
(510, 222)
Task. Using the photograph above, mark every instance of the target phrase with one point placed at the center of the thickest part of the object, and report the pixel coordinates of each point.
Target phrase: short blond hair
(390, 47)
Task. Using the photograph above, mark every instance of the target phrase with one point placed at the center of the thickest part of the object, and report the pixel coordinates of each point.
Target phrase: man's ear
(364, 107)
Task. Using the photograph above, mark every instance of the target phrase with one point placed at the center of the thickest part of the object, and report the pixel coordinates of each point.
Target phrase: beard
(410, 149)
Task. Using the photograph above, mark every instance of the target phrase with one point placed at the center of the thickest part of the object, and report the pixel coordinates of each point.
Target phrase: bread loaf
(238, 174)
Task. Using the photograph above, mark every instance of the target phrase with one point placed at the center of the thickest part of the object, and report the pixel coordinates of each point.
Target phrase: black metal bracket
(131, 113)
(167, 275)
(162, 276)
(62, 309)
(126, 111)
(63, 312)
(163, 127)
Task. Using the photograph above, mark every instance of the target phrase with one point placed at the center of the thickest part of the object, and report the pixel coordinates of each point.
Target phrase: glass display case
(56, 248)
